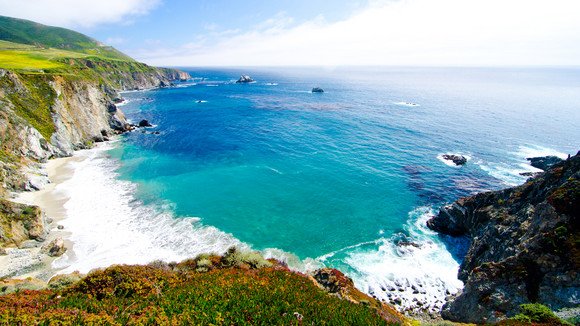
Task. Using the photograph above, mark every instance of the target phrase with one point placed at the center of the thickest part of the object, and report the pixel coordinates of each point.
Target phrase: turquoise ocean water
(341, 179)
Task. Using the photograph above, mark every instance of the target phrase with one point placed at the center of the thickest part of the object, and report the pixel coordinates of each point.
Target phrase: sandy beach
(31, 262)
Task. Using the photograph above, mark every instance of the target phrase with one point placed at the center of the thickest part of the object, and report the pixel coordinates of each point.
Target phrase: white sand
(23, 263)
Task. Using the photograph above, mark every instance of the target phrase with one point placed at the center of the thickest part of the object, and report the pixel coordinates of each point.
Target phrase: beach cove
(265, 166)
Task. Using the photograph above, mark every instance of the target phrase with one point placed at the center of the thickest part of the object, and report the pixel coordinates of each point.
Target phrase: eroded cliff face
(525, 246)
(50, 115)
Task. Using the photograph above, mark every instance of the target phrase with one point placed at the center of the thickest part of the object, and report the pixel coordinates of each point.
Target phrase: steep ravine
(525, 246)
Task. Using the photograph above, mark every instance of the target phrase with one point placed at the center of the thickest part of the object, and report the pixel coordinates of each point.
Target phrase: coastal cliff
(53, 102)
(525, 246)
(50, 115)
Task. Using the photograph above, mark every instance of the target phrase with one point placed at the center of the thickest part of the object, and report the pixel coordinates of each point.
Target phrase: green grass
(17, 60)
(174, 294)
(29, 58)
(27, 32)
(34, 103)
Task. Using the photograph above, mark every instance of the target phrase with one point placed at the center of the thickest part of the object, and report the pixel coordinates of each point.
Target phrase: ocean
(344, 179)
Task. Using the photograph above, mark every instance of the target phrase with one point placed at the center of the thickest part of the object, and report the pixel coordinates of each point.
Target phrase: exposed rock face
(55, 248)
(50, 115)
(457, 159)
(244, 79)
(544, 162)
(19, 222)
(525, 246)
(317, 90)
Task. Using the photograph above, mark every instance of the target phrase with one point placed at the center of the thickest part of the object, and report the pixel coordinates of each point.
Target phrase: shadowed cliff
(525, 246)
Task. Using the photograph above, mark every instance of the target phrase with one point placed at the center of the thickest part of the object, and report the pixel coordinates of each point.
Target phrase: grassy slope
(26, 32)
(208, 290)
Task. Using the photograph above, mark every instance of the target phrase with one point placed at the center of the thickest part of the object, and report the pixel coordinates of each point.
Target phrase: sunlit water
(344, 179)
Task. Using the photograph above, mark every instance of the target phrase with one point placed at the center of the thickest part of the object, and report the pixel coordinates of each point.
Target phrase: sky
(322, 32)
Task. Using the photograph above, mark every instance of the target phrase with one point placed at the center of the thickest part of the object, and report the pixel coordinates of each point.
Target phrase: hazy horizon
(464, 33)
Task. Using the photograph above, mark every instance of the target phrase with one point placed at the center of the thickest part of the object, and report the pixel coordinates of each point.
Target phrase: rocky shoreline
(525, 246)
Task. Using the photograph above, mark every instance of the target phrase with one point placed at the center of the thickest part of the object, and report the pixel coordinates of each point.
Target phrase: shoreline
(31, 262)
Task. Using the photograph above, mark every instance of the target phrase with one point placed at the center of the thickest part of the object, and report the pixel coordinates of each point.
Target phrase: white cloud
(115, 40)
(406, 32)
(77, 13)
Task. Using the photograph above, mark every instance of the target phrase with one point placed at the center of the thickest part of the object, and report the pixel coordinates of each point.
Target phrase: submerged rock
(244, 79)
(457, 159)
(317, 90)
(524, 246)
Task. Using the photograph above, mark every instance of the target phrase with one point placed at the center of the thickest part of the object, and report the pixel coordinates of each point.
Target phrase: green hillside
(27, 32)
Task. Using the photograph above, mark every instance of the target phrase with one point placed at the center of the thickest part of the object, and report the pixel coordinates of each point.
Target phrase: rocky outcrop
(456, 159)
(19, 222)
(525, 246)
(336, 283)
(55, 248)
(244, 79)
(317, 90)
(145, 123)
(124, 75)
(51, 115)
(544, 162)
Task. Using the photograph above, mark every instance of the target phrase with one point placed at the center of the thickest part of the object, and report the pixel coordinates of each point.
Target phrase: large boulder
(317, 90)
(55, 248)
(525, 246)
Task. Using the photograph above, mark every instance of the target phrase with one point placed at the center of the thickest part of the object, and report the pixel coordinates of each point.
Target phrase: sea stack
(244, 79)
(317, 90)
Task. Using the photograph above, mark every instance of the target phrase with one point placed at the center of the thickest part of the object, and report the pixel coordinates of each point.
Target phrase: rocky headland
(525, 246)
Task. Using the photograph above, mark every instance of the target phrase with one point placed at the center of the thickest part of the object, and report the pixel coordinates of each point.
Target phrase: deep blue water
(338, 178)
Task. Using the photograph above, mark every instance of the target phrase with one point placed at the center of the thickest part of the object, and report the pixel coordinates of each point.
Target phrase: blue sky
(322, 32)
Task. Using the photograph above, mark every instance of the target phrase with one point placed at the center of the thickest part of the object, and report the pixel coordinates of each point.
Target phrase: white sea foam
(406, 104)
(123, 103)
(415, 274)
(538, 151)
(510, 170)
(109, 226)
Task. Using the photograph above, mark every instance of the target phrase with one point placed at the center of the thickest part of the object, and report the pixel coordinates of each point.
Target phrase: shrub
(535, 312)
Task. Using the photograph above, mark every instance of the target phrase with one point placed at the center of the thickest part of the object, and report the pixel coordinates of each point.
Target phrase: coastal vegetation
(58, 91)
(233, 289)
